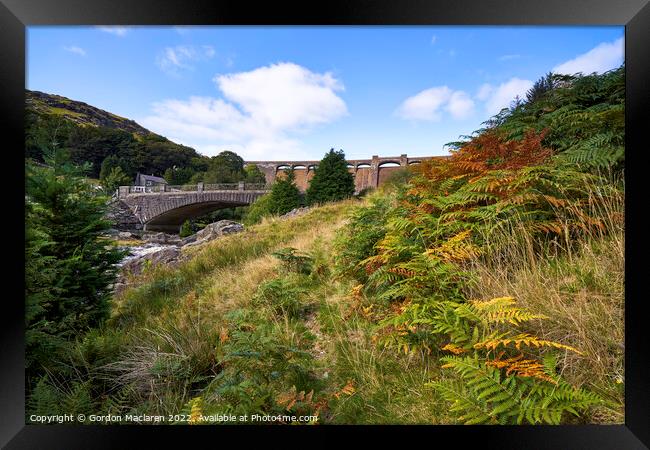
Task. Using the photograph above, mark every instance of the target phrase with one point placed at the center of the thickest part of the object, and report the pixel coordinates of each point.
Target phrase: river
(137, 251)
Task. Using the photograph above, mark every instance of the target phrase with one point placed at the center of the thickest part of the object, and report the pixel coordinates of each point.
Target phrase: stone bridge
(368, 173)
(165, 208)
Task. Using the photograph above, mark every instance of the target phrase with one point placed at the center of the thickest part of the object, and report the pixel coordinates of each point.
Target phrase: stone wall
(123, 218)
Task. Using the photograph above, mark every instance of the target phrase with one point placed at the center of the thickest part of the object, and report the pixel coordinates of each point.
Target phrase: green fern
(119, 403)
(486, 396)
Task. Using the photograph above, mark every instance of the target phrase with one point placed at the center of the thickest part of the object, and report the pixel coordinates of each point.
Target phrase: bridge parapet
(125, 191)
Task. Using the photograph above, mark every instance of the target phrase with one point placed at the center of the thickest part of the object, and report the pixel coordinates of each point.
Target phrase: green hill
(91, 135)
(79, 113)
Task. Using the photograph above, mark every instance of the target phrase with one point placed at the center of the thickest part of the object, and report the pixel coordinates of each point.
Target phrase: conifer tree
(68, 266)
(332, 180)
(285, 195)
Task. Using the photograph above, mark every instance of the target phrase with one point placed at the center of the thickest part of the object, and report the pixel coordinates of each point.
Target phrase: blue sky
(272, 93)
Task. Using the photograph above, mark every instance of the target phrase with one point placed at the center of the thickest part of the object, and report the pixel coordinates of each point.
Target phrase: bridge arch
(172, 219)
(389, 164)
(166, 211)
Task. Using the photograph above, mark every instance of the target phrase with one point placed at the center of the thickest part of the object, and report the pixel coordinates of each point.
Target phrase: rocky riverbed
(139, 251)
(162, 248)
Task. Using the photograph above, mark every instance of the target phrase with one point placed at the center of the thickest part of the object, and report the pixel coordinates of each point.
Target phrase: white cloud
(434, 38)
(117, 31)
(425, 105)
(509, 57)
(484, 91)
(428, 104)
(606, 56)
(258, 114)
(284, 95)
(173, 60)
(499, 97)
(76, 50)
(460, 105)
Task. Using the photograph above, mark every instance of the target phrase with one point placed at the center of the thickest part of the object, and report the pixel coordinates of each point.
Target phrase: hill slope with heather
(79, 113)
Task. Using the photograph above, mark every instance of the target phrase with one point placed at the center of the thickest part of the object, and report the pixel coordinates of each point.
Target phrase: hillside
(79, 113)
(487, 288)
(92, 135)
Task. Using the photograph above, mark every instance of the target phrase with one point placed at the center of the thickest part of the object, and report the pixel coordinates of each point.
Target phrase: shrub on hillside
(294, 261)
(186, 229)
(259, 209)
(282, 295)
(398, 178)
(519, 171)
(356, 242)
(284, 197)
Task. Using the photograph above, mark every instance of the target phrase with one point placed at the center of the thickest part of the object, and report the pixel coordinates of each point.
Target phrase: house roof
(144, 177)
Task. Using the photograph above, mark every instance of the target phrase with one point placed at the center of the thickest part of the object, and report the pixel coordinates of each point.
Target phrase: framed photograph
(365, 217)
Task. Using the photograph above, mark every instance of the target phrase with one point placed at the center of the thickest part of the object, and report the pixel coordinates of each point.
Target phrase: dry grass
(234, 286)
(234, 258)
(128, 242)
(578, 283)
(390, 388)
(173, 331)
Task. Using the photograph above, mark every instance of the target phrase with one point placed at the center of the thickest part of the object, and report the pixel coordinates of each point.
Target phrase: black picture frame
(15, 15)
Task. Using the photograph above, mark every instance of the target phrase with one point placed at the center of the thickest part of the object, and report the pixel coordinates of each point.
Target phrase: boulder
(295, 212)
(167, 255)
(126, 235)
(161, 238)
(212, 231)
(188, 239)
(164, 256)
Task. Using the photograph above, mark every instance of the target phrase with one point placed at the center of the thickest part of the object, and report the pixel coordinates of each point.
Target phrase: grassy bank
(241, 329)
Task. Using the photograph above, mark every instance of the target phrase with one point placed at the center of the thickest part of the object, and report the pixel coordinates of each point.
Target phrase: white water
(141, 250)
